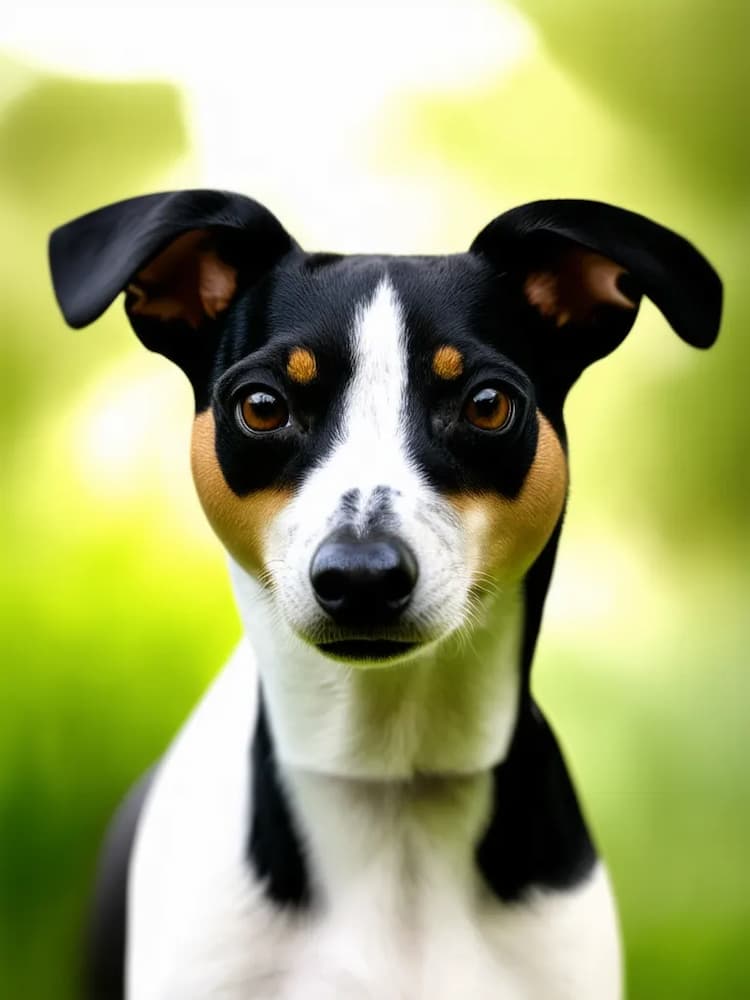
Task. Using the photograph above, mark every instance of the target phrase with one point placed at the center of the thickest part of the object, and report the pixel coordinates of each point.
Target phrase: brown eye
(489, 409)
(262, 410)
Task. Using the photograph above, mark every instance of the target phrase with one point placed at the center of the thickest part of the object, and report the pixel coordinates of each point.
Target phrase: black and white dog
(368, 803)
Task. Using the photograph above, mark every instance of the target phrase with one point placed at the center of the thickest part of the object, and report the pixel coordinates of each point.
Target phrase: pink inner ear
(572, 291)
(188, 281)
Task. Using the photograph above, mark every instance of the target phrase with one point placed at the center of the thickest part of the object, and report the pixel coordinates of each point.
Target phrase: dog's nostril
(398, 583)
(330, 584)
(364, 582)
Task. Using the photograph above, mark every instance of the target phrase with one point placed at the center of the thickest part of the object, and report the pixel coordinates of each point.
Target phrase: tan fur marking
(447, 362)
(241, 523)
(571, 292)
(302, 366)
(186, 281)
(506, 536)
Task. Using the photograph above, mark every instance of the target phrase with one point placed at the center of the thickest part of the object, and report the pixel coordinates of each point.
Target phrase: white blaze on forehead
(371, 441)
(370, 445)
(375, 397)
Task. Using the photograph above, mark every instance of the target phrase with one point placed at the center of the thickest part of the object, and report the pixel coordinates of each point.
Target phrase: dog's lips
(379, 650)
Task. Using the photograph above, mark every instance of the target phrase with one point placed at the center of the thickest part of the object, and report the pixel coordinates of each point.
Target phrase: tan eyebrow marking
(447, 362)
(301, 366)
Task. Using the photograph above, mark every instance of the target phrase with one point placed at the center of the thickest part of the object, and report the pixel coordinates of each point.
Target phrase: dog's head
(379, 440)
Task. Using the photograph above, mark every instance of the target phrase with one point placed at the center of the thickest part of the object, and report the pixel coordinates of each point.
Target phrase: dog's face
(372, 456)
(379, 440)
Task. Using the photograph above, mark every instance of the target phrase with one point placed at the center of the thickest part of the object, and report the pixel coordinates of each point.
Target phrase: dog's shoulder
(189, 853)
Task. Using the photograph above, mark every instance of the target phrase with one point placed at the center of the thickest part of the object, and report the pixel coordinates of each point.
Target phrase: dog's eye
(261, 410)
(489, 409)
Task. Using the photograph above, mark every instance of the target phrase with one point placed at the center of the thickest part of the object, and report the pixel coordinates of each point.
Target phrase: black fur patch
(274, 847)
(536, 835)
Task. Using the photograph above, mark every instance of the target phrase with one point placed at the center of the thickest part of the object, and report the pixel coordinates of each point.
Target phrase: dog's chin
(368, 652)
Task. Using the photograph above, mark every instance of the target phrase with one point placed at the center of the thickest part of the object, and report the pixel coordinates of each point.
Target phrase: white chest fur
(403, 914)
(406, 914)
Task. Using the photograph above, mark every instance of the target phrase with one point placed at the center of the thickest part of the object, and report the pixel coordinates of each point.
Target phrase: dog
(368, 804)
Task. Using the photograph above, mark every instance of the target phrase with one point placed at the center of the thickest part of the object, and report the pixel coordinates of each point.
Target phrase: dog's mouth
(377, 650)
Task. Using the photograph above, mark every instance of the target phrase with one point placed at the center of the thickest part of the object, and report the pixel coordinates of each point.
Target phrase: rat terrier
(368, 804)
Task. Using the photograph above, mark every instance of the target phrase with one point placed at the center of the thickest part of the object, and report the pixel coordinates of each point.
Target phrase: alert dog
(368, 804)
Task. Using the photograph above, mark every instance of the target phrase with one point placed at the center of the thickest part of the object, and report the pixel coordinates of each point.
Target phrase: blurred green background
(106, 640)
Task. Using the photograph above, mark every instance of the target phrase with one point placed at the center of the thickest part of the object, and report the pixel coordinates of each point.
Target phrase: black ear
(181, 256)
(583, 266)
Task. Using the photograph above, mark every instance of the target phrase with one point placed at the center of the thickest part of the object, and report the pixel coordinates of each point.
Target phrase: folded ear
(583, 266)
(180, 256)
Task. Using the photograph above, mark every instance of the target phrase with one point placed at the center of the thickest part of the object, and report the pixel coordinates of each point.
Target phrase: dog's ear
(180, 257)
(583, 266)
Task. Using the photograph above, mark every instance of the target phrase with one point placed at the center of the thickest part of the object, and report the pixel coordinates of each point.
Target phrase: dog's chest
(400, 911)
(393, 924)
(406, 915)
(397, 941)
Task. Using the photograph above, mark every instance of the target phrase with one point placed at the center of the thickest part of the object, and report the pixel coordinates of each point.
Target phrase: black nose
(367, 582)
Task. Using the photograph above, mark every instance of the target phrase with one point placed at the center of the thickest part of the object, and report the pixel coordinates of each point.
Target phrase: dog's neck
(450, 710)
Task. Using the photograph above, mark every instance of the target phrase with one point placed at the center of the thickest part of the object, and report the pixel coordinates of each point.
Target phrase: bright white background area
(289, 102)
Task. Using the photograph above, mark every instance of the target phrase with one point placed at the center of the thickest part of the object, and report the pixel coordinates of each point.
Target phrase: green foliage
(104, 651)
(676, 71)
